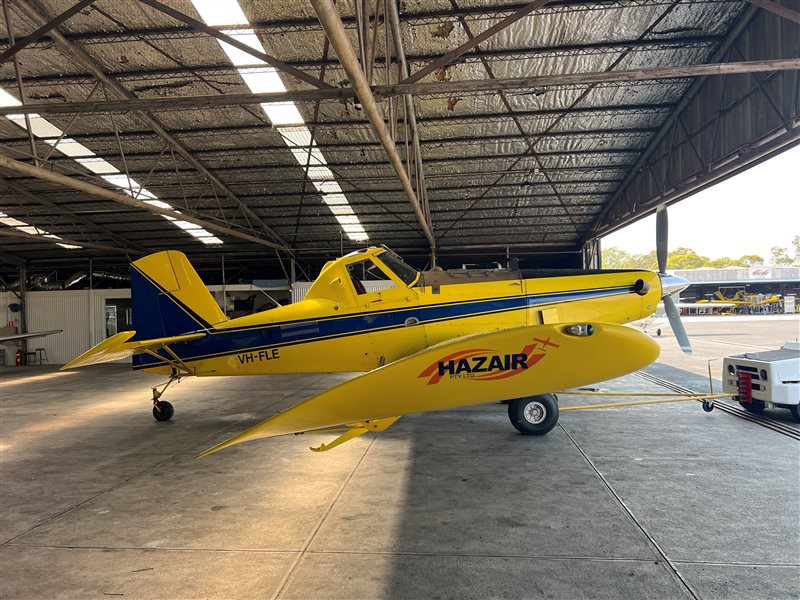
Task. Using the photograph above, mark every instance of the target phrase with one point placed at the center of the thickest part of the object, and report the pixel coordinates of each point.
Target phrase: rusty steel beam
(472, 42)
(39, 198)
(778, 9)
(88, 63)
(334, 29)
(392, 90)
(231, 41)
(18, 45)
(411, 113)
(12, 232)
(99, 192)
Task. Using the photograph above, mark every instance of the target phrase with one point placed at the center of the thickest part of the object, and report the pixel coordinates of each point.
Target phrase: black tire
(163, 410)
(535, 415)
(795, 410)
(658, 332)
(708, 406)
(756, 406)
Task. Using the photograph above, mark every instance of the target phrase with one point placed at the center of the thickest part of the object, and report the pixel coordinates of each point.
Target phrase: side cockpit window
(366, 271)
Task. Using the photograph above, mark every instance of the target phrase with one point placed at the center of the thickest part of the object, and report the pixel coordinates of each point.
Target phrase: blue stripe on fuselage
(222, 342)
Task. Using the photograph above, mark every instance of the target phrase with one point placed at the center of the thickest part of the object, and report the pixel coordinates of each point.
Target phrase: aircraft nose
(672, 284)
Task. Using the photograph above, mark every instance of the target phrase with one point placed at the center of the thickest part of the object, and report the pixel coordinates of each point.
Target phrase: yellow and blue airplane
(429, 341)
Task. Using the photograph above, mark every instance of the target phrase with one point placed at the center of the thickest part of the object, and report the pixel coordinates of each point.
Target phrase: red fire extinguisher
(19, 357)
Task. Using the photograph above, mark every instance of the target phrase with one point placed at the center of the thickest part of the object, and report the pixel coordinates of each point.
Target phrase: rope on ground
(681, 398)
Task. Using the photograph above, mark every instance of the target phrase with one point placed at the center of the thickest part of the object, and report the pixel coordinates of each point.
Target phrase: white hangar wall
(80, 314)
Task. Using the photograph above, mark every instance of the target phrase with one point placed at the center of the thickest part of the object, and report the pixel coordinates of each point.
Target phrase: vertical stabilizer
(168, 298)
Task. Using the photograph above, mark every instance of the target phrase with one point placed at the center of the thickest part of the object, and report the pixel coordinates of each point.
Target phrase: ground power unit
(769, 379)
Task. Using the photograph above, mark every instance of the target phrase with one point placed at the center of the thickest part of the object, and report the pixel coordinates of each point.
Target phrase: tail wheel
(163, 410)
(535, 415)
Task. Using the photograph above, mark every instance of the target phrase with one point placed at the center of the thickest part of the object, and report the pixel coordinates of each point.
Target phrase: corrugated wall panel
(80, 314)
(7, 298)
(66, 310)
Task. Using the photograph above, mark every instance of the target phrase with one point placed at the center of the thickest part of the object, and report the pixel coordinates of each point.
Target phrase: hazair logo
(486, 364)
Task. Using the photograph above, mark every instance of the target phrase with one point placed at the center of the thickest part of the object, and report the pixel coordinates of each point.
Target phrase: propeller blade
(674, 317)
(662, 238)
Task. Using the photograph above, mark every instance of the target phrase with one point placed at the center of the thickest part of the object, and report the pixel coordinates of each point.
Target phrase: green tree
(686, 258)
(721, 263)
(751, 260)
(615, 258)
(780, 257)
(796, 246)
(646, 261)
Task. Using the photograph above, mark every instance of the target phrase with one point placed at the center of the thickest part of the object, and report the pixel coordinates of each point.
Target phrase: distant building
(754, 280)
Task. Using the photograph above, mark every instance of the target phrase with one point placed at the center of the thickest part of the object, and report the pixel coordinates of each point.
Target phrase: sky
(746, 214)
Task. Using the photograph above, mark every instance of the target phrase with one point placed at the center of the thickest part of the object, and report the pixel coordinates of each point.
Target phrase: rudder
(168, 298)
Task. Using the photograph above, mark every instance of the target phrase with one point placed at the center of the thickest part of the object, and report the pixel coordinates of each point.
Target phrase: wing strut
(354, 430)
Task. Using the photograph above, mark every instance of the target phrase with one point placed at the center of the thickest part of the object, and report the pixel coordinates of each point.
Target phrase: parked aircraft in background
(27, 336)
(741, 300)
(430, 341)
(658, 321)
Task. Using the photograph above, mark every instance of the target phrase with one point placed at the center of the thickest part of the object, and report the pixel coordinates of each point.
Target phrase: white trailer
(760, 380)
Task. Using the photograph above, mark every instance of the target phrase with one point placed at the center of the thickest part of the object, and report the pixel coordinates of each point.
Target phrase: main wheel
(795, 410)
(756, 406)
(163, 410)
(535, 415)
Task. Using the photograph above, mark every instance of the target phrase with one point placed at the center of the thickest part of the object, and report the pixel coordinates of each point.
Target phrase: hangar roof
(541, 165)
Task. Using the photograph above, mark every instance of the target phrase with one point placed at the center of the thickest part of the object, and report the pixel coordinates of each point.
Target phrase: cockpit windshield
(398, 266)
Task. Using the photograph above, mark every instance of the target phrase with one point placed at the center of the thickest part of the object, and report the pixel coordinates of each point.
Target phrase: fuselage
(339, 326)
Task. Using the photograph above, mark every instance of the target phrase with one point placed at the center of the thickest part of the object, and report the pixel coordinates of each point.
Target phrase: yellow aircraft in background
(428, 341)
(741, 299)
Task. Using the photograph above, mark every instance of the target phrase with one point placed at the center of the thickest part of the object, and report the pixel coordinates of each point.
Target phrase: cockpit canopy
(342, 279)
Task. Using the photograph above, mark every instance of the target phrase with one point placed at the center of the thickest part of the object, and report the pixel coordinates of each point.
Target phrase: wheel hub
(534, 413)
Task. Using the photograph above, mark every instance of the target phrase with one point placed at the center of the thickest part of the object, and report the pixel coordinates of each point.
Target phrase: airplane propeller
(670, 284)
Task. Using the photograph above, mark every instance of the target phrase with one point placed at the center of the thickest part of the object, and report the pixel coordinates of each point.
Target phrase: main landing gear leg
(163, 410)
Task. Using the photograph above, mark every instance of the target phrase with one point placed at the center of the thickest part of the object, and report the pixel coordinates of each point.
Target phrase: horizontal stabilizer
(487, 367)
(118, 347)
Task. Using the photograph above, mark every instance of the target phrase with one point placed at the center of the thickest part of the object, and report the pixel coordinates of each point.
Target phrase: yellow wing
(118, 347)
(487, 367)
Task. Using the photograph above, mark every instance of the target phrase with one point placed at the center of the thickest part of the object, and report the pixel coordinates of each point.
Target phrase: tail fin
(168, 298)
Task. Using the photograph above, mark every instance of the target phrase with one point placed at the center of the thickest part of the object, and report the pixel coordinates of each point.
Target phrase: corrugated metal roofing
(484, 186)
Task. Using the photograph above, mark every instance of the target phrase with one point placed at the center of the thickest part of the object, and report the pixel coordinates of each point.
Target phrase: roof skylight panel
(39, 126)
(334, 199)
(317, 173)
(70, 147)
(307, 156)
(52, 135)
(282, 113)
(31, 229)
(228, 16)
(343, 209)
(97, 165)
(262, 79)
(296, 136)
(328, 187)
(217, 13)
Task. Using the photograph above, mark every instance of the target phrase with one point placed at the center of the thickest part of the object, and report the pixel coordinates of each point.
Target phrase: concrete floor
(98, 500)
